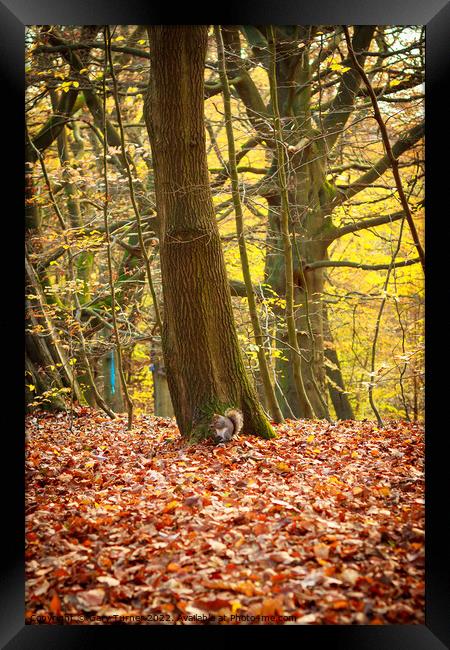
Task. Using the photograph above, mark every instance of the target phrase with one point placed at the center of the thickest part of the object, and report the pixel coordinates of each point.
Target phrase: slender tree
(263, 362)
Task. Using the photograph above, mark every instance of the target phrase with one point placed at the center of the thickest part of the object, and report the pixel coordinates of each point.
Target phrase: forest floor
(322, 525)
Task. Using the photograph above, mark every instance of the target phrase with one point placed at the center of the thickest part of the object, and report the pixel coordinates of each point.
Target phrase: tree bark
(58, 356)
(336, 386)
(112, 390)
(310, 196)
(205, 368)
(162, 404)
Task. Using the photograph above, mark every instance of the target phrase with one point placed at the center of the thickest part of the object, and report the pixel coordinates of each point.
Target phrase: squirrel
(227, 425)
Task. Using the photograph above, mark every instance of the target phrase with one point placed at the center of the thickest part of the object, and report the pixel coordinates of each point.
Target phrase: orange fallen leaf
(55, 605)
(340, 604)
(321, 551)
(214, 604)
(259, 529)
(246, 587)
(167, 607)
(272, 606)
(171, 506)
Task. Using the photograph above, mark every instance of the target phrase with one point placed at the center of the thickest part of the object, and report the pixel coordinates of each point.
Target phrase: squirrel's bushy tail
(237, 419)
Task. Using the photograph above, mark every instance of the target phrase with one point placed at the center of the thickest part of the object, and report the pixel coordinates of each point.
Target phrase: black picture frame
(14, 15)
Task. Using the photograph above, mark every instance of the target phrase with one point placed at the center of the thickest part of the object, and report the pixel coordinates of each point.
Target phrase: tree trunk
(41, 381)
(336, 386)
(32, 216)
(311, 247)
(162, 404)
(112, 391)
(205, 368)
(52, 353)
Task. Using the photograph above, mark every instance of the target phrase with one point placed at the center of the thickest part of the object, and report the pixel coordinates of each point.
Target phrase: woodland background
(360, 320)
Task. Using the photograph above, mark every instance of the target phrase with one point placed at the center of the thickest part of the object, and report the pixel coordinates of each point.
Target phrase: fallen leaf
(108, 580)
(91, 598)
(55, 605)
(282, 557)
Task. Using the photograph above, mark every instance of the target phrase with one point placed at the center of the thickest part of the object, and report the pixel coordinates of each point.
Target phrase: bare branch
(405, 142)
(366, 223)
(342, 105)
(389, 151)
(358, 265)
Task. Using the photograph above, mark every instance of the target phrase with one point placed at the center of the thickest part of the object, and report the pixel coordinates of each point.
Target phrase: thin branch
(365, 223)
(132, 194)
(129, 401)
(357, 265)
(405, 142)
(94, 45)
(389, 152)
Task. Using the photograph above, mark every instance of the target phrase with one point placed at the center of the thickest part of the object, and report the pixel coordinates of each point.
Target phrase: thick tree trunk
(313, 367)
(274, 276)
(205, 369)
(312, 351)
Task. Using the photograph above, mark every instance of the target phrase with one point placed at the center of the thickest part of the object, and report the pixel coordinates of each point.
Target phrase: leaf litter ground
(322, 525)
